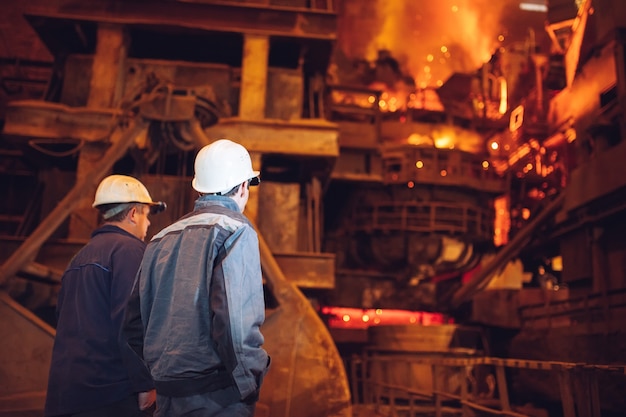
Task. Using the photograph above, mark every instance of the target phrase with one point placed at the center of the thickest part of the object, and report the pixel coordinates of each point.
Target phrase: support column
(252, 98)
(252, 208)
(105, 89)
(620, 71)
(254, 77)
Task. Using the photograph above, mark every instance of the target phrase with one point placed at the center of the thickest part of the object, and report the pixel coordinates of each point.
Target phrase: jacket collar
(215, 200)
(111, 228)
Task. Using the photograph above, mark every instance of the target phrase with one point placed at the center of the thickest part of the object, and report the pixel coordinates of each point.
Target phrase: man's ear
(132, 213)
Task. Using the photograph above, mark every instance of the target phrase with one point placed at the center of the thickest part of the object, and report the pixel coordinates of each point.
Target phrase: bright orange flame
(469, 29)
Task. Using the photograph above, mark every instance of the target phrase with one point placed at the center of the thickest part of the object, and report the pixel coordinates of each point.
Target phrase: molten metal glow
(503, 97)
(533, 7)
(356, 318)
(502, 221)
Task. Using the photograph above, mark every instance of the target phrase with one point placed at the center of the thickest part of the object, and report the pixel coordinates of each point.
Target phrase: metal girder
(73, 18)
(507, 253)
(302, 137)
(29, 119)
(26, 350)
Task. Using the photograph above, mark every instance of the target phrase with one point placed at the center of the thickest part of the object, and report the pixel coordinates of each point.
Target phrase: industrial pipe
(509, 251)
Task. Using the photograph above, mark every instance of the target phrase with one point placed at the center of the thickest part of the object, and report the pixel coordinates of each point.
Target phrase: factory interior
(440, 208)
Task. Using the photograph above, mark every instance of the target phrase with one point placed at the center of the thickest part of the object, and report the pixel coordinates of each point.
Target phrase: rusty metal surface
(296, 137)
(33, 119)
(25, 359)
(281, 228)
(285, 89)
(307, 269)
(169, 107)
(307, 376)
(595, 179)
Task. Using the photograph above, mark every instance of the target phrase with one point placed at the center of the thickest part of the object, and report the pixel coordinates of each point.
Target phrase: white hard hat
(122, 189)
(222, 165)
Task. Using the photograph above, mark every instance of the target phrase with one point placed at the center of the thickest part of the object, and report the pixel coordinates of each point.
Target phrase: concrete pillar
(105, 89)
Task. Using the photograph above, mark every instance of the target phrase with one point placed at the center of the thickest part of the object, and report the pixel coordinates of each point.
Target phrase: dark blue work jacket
(92, 366)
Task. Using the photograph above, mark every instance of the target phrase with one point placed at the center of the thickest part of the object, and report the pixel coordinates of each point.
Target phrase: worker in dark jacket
(93, 372)
(197, 306)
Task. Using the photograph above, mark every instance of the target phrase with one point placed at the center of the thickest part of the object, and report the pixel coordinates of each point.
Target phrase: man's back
(192, 317)
(88, 369)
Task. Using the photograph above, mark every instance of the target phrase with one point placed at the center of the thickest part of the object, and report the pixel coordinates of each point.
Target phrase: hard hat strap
(115, 210)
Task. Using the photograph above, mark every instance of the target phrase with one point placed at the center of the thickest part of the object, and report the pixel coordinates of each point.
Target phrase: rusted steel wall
(24, 358)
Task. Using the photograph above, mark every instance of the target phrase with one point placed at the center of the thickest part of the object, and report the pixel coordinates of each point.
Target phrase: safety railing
(425, 217)
(413, 165)
(374, 389)
(570, 309)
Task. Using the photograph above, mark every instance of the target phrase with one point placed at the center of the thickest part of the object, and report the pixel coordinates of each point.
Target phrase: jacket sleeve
(126, 265)
(238, 311)
(132, 330)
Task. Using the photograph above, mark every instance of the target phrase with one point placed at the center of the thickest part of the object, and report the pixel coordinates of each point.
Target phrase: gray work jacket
(198, 300)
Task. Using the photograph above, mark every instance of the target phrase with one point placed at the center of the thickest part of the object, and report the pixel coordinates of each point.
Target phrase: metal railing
(555, 311)
(425, 217)
(423, 164)
(577, 384)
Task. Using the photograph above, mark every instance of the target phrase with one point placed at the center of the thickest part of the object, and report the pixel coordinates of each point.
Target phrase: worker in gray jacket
(197, 304)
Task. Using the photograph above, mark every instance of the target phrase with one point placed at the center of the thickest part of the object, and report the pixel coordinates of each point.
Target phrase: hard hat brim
(157, 207)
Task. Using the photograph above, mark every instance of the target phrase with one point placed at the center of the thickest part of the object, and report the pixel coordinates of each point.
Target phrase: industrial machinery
(125, 101)
(490, 199)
